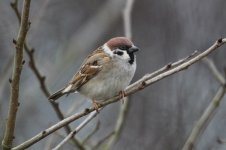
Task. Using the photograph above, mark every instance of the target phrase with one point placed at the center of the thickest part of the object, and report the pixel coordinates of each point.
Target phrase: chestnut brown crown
(117, 42)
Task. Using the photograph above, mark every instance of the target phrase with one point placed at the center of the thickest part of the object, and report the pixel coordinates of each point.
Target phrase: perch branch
(41, 78)
(131, 89)
(209, 111)
(14, 95)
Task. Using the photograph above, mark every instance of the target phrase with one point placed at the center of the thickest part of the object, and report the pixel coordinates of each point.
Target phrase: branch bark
(145, 81)
(14, 95)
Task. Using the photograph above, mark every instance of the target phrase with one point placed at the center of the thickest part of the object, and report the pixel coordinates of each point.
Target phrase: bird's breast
(112, 79)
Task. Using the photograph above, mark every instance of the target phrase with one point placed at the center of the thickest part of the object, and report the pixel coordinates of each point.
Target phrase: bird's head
(121, 48)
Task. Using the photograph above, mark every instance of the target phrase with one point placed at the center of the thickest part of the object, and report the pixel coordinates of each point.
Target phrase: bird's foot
(96, 105)
(122, 95)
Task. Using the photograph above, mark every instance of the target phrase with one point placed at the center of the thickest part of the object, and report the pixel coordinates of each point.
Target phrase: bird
(106, 72)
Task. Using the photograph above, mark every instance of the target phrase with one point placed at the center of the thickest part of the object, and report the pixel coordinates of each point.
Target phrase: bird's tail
(60, 93)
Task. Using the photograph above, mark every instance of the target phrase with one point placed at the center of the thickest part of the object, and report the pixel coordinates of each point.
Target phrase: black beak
(133, 49)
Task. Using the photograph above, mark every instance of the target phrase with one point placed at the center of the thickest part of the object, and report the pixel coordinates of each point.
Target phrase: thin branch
(76, 130)
(171, 65)
(127, 18)
(148, 80)
(41, 79)
(14, 95)
(209, 111)
(131, 89)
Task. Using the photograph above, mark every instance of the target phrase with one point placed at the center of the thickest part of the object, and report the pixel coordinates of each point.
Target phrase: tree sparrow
(105, 73)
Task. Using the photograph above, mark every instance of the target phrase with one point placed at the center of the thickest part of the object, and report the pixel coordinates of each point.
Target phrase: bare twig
(76, 130)
(131, 89)
(127, 18)
(14, 102)
(41, 79)
(148, 80)
(209, 111)
(171, 65)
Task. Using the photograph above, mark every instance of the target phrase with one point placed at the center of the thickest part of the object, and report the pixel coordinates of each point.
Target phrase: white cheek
(125, 56)
(107, 50)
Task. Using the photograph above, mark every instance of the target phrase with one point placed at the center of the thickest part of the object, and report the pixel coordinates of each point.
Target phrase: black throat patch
(131, 55)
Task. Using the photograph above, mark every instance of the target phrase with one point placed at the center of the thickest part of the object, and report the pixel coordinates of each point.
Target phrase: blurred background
(161, 116)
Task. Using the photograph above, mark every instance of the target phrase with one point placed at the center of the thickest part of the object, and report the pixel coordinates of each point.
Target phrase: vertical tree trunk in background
(15, 85)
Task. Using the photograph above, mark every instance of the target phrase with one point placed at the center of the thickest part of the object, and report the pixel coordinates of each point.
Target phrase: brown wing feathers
(90, 67)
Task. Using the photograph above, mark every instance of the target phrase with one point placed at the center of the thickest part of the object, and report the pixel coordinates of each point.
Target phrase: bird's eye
(124, 47)
(118, 53)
